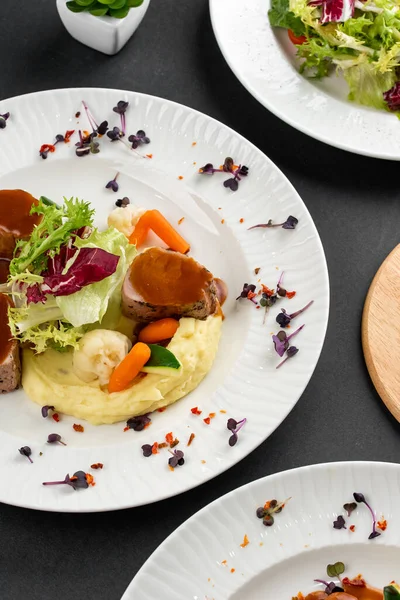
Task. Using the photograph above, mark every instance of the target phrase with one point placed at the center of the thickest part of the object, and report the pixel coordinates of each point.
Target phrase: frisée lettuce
(361, 39)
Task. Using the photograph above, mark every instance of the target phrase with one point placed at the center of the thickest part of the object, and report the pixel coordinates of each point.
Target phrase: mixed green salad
(360, 39)
(66, 278)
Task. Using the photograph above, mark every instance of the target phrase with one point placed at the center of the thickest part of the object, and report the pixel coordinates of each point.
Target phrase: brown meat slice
(10, 369)
(10, 365)
(162, 283)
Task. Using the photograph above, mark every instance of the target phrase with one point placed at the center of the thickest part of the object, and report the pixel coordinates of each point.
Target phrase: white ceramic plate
(283, 559)
(243, 380)
(263, 59)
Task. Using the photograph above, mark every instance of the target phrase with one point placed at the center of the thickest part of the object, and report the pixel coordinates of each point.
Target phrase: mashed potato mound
(49, 378)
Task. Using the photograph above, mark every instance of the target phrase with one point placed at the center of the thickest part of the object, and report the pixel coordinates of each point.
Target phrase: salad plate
(161, 173)
(264, 59)
(226, 552)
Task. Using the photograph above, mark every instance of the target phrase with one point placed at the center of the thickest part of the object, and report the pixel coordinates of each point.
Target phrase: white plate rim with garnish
(244, 381)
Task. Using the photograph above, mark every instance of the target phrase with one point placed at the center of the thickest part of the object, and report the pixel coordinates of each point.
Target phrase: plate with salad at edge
(97, 194)
(356, 57)
(332, 532)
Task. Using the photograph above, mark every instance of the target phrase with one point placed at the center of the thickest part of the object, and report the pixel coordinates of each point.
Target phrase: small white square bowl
(105, 34)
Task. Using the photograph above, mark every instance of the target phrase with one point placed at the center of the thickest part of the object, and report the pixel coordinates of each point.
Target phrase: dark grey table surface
(355, 204)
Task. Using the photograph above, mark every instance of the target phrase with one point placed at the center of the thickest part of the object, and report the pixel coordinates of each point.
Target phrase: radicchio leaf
(392, 97)
(90, 266)
(337, 11)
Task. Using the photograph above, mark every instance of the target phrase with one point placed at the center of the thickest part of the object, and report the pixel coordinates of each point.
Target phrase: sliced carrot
(141, 230)
(154, 220)
(129, 368)
(164, 329)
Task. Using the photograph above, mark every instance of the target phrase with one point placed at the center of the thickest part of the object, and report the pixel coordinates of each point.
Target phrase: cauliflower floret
(99, 352)
(125, 218)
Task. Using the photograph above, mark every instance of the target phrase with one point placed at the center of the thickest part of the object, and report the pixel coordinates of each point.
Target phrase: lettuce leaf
(367, 85)
(280, 16)
(91, 303)
(54, 334)
(54, 229)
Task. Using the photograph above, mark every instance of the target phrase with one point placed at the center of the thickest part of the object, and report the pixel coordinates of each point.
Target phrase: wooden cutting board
(381, 332)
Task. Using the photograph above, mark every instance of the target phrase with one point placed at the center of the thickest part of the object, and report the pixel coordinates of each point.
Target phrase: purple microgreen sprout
(330, 588)
(139, 138)
(270, 508)
(46, 409)
(90, 117)
(284, 318)
(290, 352)
(228, 167)
(360, 498)
(55, 438)
(115, 134)
(290, 223)
(176, 458)
(83, 146)
(281, 340)
(339, 523)
(122, 202)
(77, 481)
(120, 109)
(138, 423)
(113, 185)
(350, 507)
(234, 427)
(147, 450)
(3, 120)
(248, 292)
(26, 451)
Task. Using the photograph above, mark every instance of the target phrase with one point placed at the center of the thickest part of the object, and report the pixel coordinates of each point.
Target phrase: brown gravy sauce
(168, 278)
(15, 222)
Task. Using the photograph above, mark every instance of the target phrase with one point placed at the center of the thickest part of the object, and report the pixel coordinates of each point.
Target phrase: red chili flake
(171, 468)
(233, 570)
(195, 163)
(290, 295)
(126, 428)
(77, 115)
(257, 270)
(68, 134)
(241, 220)
(174, 443)
(180, 177)
(147, 425)
(90, 479)
(203, 462)
(258, 306)
(212, 415)
(97, 466)
(194, 143)
(382, 525)
(191, 438)
(85, 133)
(78, 427)
(56, 417)
(251, 295)
(181, 220)
(245, 542)
(358, 581)
(224, 562)
(222, 411)
(352, 528)
(47, 148)
(163, 445)
(169, 438)
(267, 290)
(207, 420)
(154, 448)
(195, 411)
(222, 221)
(161, 409)
(149, 155)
